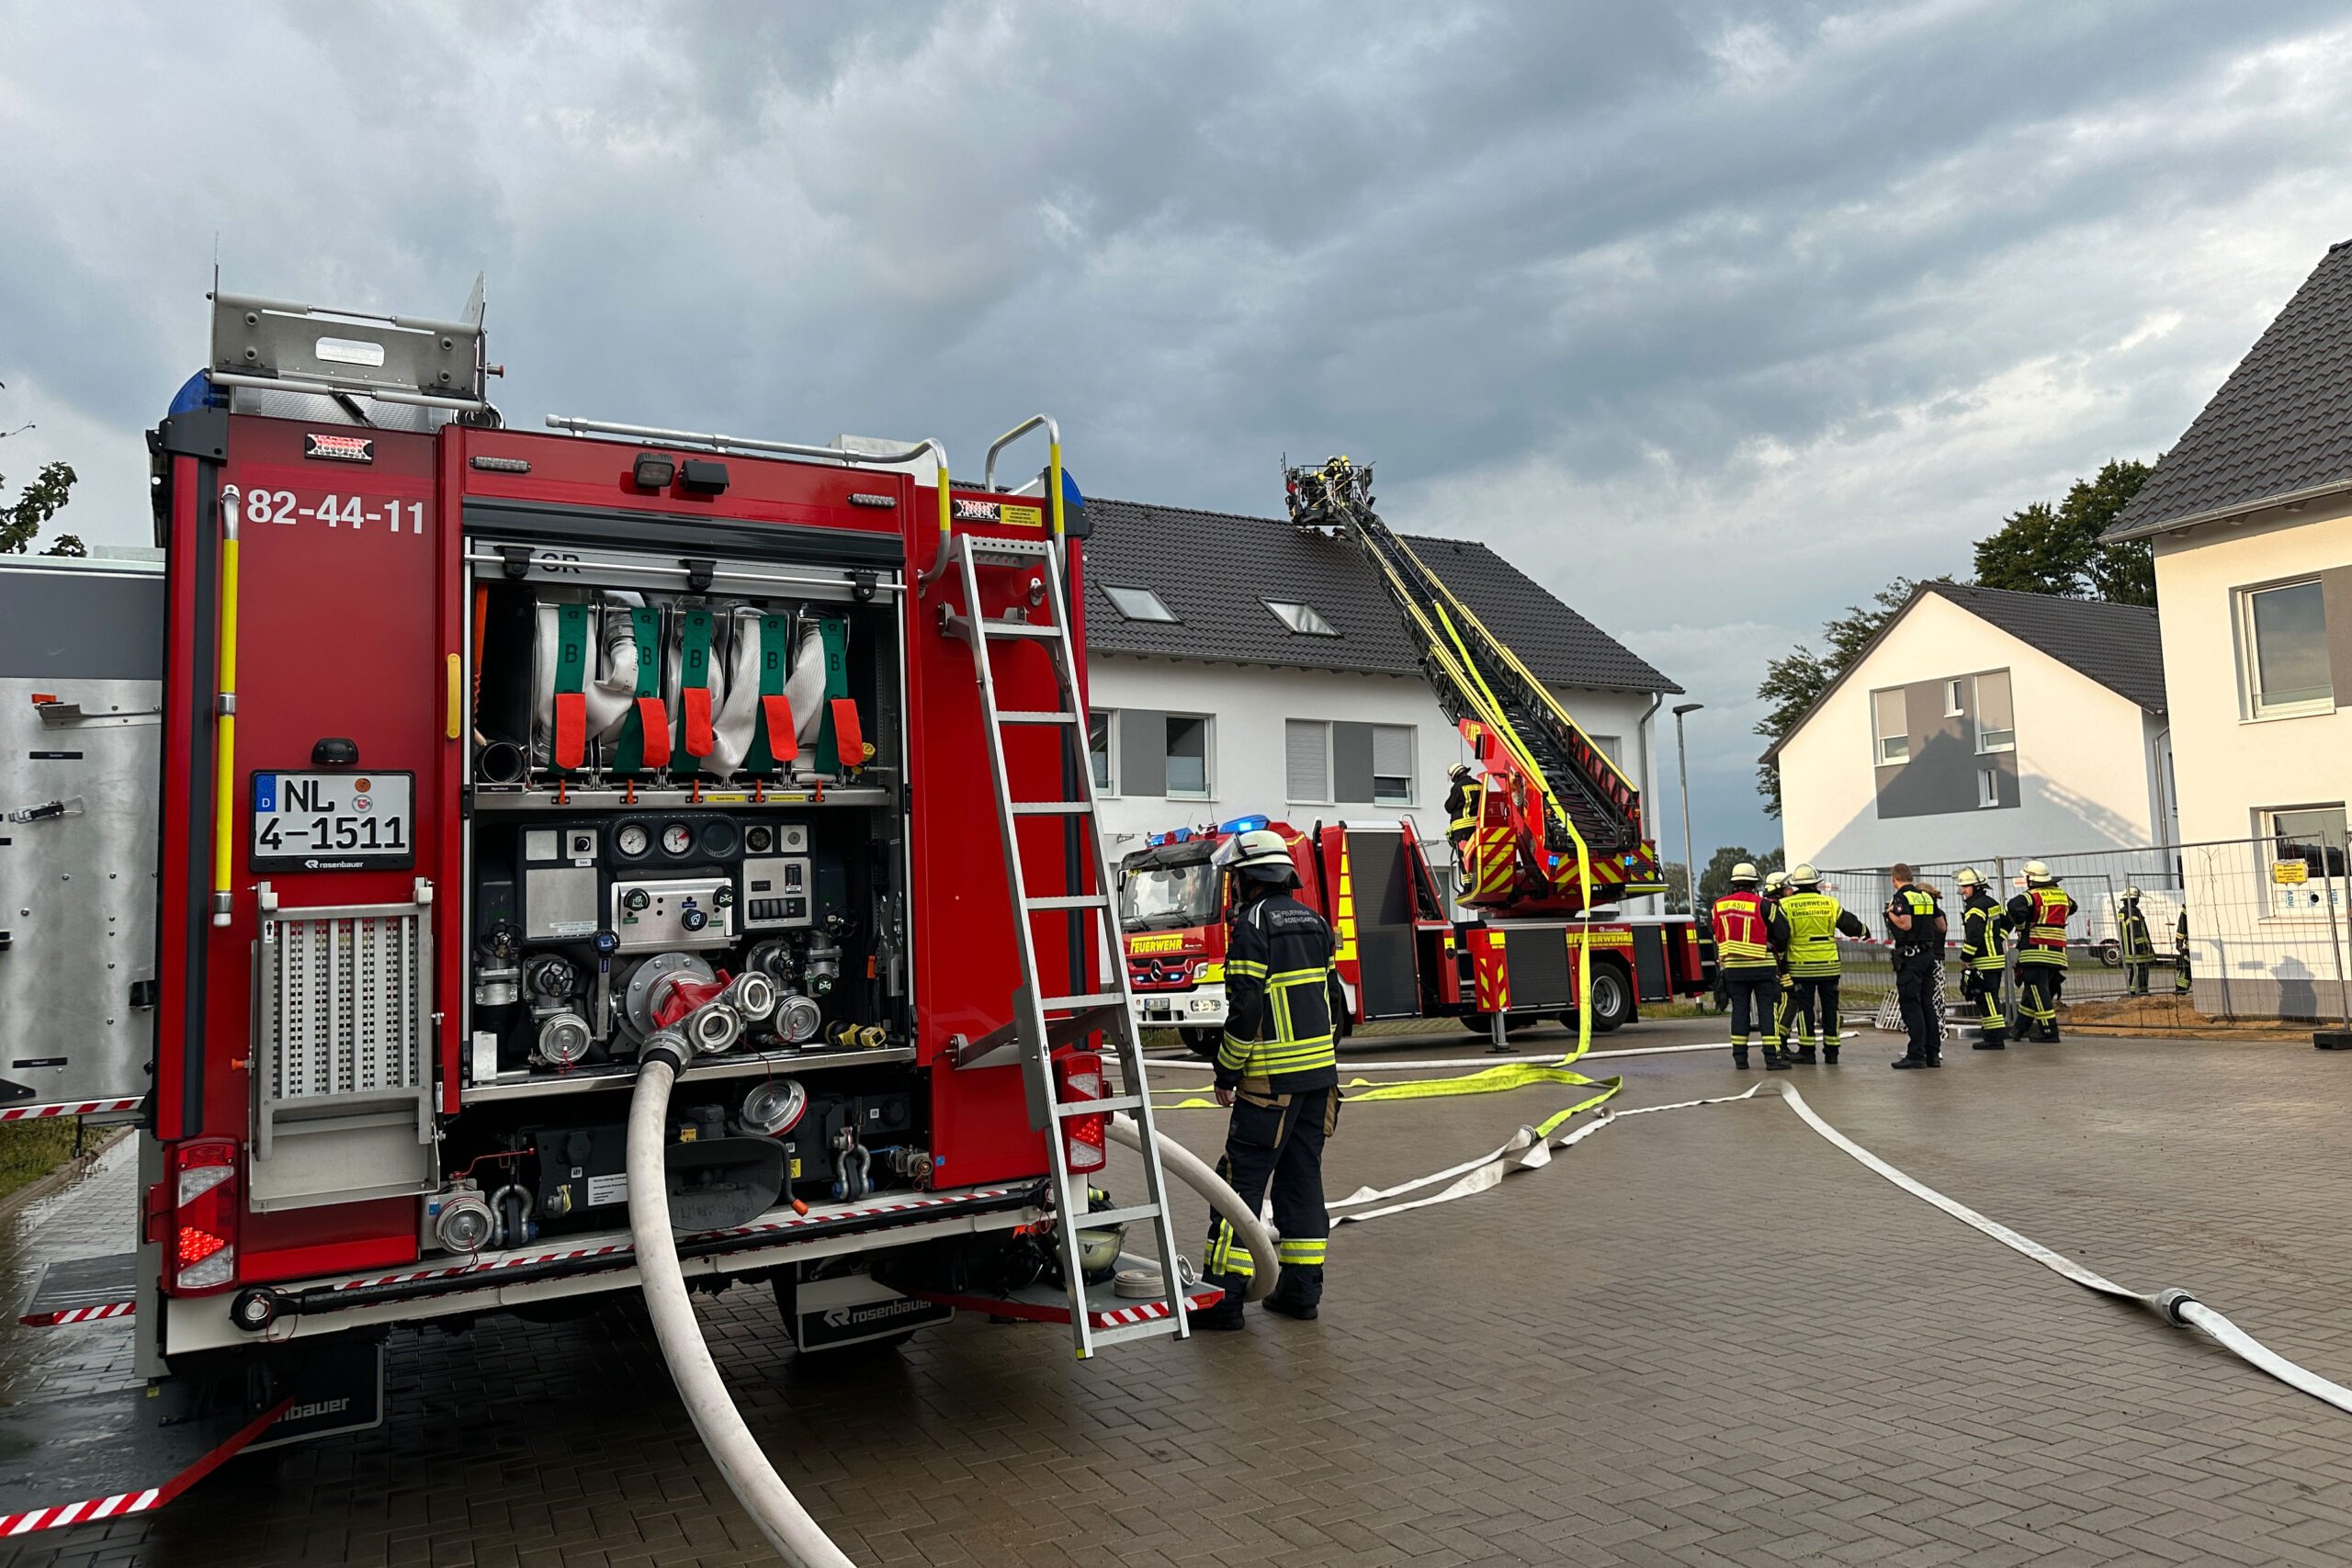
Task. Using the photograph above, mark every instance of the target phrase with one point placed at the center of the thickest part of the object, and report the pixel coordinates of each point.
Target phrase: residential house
(1242, 665)
(2250, 515)
(1981, 723)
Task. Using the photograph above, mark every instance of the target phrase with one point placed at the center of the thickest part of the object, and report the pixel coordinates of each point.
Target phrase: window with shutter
(1392, 764)
(1307, 761)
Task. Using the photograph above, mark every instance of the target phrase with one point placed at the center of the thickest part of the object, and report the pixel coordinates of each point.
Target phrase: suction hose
(748, 1474)
(1186, 1166)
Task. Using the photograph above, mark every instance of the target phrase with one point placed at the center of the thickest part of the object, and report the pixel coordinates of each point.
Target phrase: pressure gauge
(632, 840)
(677, 839)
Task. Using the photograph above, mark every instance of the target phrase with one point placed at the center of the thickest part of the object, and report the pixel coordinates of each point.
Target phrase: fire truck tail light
(203, 1224)
(1079, 1076)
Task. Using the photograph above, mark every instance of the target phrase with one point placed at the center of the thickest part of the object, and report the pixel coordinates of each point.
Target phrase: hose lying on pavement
(1186, 1166)
(1531, 1150)
(748, 1474)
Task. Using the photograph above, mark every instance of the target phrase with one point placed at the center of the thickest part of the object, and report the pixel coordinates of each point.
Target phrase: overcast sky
(1711, 317)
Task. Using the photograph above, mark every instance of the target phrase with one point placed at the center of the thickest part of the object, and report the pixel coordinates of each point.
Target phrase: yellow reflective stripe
(1743, 953)
(1301, 1252)
(1245, 968)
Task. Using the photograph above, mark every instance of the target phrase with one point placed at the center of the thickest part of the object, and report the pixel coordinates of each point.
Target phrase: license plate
(351, 821)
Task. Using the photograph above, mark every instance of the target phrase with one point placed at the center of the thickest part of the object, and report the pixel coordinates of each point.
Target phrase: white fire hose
(748, 1474)
(1187, 1167)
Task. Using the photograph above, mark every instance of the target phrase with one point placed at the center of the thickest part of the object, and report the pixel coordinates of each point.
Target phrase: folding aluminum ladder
(1043, 1023)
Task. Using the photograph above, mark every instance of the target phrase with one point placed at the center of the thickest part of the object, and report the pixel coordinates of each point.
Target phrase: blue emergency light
(1243, 825)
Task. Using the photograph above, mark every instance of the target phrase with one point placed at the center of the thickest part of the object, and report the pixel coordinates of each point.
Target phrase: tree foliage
(22, 519)
(2055, 549)
(1716, 880)
(1794, 682)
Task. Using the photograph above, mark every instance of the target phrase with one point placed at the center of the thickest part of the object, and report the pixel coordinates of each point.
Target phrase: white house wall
(2227, 769)
(2082, 755)
(1250, 704)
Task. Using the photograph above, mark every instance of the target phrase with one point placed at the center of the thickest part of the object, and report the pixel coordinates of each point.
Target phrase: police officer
(1278, 1072)
(2139, 946)
(2038, 917)
(1915, 922)
(2181, 953)
(1815, 922)
(1984, 956)
(1750, 931)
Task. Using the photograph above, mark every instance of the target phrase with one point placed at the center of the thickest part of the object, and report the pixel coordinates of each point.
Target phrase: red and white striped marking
(87, 1108)
(78, 1314)
(87, 1512)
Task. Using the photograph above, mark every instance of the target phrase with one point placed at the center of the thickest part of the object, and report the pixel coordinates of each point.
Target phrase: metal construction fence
(2267, 936)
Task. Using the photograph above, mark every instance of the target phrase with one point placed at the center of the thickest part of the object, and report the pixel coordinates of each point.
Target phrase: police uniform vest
(1743, 931)
(1278, 998)
(1813, 933)
(1921, 908)
(1983, 924)
(2044, 925)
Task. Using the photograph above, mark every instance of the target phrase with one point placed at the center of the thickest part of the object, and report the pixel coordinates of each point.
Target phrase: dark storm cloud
(1714, 316)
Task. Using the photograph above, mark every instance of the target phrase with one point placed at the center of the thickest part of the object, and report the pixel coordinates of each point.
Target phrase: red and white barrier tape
(78, 1314)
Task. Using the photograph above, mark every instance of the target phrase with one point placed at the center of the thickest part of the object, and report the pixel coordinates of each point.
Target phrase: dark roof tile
(2277, 426)
(1215, 571)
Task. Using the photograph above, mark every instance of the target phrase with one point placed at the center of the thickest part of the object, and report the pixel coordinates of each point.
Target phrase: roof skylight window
(1302, 619)
(1139, 604)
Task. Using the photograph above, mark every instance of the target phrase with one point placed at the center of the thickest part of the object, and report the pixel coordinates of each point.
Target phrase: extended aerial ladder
(1561, 826)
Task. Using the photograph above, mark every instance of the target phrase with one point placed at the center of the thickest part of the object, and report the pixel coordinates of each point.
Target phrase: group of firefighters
(1776, 950)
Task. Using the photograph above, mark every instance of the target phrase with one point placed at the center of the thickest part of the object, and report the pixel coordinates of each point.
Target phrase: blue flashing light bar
(1243, 824)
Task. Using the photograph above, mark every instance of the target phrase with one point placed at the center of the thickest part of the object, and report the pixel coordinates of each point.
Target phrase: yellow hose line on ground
(1492, 1080)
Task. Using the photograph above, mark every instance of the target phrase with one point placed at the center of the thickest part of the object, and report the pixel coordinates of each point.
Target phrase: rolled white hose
(748, 1474)
(1187, 1167)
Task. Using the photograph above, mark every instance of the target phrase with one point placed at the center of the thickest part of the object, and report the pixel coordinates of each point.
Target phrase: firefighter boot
(1297, 1293)
(1775, 1059)
(1829, 1053)
(1802, 1057)
(1739, 1056)
(1226, 1316)
(1990, 1039)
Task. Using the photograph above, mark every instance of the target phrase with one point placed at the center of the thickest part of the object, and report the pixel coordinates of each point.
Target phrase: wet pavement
(1704, 1337)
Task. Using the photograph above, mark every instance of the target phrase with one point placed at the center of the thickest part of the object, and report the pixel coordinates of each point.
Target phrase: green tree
(1716, 880)
(2046, 549)
(1794, 682)
(1677, 877)
(21, 519)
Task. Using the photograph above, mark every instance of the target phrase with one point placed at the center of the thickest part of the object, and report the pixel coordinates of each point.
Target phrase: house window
(2286, 649)
(1988, 787)
(1955, 698)
(2309, 842)
(1996, 715)
(1891, 728)
(1307, 761)
(1608, 746)
(1139, 604)
(1301, 618)
(1188, 757)
(1392, 764)
(1097, 750)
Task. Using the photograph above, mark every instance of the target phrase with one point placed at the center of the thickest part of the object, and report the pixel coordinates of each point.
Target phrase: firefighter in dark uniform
(1815, 922)
(2139, 946)
(1915, 923)
(1463, 804)
(1750, 931)
(2181, 953)
(1279, 1072)
(2038, 917)
(1785, 1005)
(1984, 955)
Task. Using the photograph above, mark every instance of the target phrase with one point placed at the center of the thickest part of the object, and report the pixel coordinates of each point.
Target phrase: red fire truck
(1556, 848)
(485, 762)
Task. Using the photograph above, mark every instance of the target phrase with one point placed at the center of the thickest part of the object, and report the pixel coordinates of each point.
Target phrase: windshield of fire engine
(1156, 896)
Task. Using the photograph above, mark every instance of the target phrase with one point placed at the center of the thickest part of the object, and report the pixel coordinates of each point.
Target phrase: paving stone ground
(1702, 1337)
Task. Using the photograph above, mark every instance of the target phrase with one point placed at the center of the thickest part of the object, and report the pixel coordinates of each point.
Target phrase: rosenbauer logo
(339, 448)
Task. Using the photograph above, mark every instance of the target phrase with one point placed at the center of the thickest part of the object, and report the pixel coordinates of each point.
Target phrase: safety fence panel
(2242, 930)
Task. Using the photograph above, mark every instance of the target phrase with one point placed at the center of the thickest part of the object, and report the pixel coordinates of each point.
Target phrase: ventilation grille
(345, 995)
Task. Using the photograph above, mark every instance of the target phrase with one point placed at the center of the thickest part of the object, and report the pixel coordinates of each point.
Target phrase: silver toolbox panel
(78, 779)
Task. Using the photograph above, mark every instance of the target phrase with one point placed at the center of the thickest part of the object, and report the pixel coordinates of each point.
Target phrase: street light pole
(1682, 772)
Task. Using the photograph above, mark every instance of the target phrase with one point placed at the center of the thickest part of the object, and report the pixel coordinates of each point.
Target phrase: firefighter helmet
(1776, 881)
(2131, 893)
(1970, 877)
(1459, 771)
(1744, 872)
(1805, 876)
(2037, 874)
(1260, 855)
